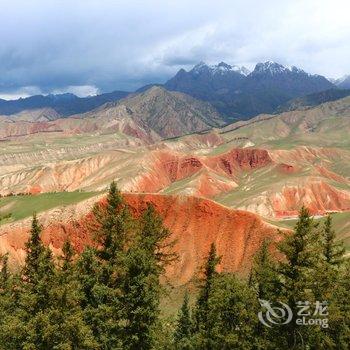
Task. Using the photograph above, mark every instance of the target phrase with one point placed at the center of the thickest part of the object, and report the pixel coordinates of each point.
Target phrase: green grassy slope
(19, 207)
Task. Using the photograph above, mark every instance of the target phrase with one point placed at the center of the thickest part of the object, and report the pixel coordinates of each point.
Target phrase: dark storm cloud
(49, 46)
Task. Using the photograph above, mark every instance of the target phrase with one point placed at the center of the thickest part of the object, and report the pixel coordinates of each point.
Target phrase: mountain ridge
(241, 96)
(233, 90)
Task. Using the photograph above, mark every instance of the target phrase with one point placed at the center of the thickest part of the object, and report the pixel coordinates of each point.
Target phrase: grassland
(19, 207)
(341, 224)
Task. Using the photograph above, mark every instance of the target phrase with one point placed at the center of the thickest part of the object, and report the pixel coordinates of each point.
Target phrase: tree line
(108, 296)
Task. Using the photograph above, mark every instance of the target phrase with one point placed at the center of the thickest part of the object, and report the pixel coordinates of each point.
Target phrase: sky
(92, 46)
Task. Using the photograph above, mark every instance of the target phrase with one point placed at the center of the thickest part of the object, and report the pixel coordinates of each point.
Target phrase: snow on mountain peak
(221, 68)
(274, 68)
(269, 67)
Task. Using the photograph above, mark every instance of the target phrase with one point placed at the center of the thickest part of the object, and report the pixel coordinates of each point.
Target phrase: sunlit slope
(327, 125)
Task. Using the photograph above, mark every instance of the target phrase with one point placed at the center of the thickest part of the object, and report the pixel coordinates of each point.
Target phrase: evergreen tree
(231, 316)
(145, 263)
(264, 282)
(38, 271)
(297, 271)
(35, 254)
(333, 251)
(5, 273)
(329, 286)
(183, 331)
(339, 323)
(65, 325)
(11, 328)
(34, 293)
(45, 312)
(263, 276)
(101, 270)
(201, 319)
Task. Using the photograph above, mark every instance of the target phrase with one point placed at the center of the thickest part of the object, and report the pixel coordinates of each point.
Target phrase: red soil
(195, 223)
(169, 167)
(318, 196)
(286, 168)
(331, 175)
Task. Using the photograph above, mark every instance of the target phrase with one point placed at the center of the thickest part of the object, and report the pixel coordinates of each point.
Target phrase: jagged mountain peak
(275, 68)
(270, 67)
(220, 68)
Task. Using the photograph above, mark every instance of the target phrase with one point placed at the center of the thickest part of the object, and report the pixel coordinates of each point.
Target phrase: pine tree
(264, 282)
(231, 316)
(329, 286)
(145, 263)
(183, 331)
(67, 257)
(111, 225)
(11, 327)
(333, 251)
(202, 322)
(46, 311)
(297, 271)
(209, 275)
(5, 273)
(101, 270)
(34, 292)
(66, 327)
(339, 323)
(35, 252)
(38, 271)
(263, 276)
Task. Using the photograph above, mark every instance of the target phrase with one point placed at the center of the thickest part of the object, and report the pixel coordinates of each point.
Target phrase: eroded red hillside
(195, 223)
(168, 167)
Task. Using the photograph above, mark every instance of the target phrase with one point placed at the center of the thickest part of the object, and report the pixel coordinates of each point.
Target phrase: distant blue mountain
(64, 104)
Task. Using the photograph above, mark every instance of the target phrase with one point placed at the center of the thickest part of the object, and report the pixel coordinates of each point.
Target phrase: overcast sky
(91, 46)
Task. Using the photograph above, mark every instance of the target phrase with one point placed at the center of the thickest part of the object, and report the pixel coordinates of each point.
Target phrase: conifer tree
(231, 316)
(333, 251)
(11, 327)
(145, 263)
(38, 270)
(301, 255)
(263, 276)
(183, 331)
(209, 274)
(264, 282)
(101, 270)
(202, 322)
(35, 253)
(66, 327)
(5, 273)
(46, 313)
(329, 286)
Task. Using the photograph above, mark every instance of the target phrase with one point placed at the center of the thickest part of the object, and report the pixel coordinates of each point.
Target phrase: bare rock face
(171, 114)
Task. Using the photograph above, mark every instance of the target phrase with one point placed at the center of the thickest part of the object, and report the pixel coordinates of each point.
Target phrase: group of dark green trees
(105, 298)
(108, 297)
(311, 275)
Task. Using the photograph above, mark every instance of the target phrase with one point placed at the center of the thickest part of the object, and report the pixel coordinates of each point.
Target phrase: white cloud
(78, 90)
(22, 92)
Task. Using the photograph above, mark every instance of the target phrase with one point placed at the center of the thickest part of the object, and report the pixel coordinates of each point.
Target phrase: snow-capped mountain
(238, 93)
(270, 67)
(221, 68)
(274, 68)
